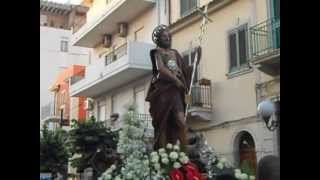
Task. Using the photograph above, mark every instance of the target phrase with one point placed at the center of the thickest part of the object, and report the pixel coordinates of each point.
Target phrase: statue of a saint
(169, 86)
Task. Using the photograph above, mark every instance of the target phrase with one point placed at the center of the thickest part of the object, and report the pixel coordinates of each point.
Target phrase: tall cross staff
(203, 27)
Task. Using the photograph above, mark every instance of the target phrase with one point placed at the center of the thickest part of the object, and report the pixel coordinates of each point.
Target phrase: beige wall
(139, 29)
(233, 98)
(124, 96)
(259, 8)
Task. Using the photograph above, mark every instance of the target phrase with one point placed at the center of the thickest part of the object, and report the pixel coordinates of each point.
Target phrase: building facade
(66, 108)
(239, 66)
(56, 52)
(120, 34)
(241, 59)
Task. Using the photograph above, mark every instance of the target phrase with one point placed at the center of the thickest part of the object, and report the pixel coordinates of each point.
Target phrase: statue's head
(161, 36)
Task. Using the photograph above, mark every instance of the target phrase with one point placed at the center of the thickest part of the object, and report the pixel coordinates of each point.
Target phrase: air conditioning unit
(88, 104)
(107, 40)
(123, 29)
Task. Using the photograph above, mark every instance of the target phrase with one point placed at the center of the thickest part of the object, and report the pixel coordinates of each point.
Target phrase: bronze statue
(167, 91)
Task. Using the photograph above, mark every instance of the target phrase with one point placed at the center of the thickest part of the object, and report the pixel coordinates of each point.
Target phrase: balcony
(115, 124)
(123, 65)
(265, 46)
(119, 11)
(201, 103)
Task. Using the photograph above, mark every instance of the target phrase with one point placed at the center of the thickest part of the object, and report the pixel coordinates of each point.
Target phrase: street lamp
(265, 110)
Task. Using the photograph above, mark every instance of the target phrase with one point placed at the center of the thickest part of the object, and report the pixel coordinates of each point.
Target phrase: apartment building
(67, 108)
(56, 53)
(119, 31)
(239, 66)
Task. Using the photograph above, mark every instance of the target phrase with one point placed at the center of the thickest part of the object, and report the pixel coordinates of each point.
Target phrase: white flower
(113, 167)
(223, 160)
(122, 170)
(108, 176)
(155, 159)
(164, 155)
(153, 153)
(129, 175)
(238, 175)
(220, 165)
(169, 146)
(165, 160)
(146, 162)
(118, 178)
(176, 165)
(157, 166)
(237, 171)
(173, 155)
(252, 178)
(184, 160)
(161, 150)
(244, 176)
(182, 154)
(176, 147)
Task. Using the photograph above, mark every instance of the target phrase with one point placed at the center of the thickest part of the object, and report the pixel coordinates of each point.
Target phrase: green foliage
(245, 167)
(94, 143)
(53, 151)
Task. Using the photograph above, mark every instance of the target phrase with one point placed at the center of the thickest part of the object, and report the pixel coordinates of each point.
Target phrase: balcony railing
(265, 37)
(201, 96)
(147, 120)
(116, 54)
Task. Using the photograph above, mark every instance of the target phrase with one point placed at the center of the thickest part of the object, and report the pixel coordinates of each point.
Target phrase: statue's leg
(182, 131)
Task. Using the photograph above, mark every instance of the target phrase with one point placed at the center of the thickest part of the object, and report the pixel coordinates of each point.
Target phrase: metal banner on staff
(203, 27)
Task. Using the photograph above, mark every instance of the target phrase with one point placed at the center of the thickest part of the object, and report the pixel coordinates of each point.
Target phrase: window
(238, 48)
(64, 46)
(186, 6)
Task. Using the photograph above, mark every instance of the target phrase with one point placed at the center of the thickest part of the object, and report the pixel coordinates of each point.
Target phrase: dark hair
(157, 33)
(269, 168)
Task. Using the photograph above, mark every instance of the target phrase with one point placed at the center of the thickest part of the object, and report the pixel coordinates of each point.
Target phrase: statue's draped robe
(166, 100)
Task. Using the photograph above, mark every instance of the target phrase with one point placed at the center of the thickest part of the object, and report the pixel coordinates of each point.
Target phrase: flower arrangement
(171, 163)
(131, 146)
(167, 163)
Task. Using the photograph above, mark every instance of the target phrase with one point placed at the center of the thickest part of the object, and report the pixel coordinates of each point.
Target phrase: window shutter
(183, 6)
(233, 51)
(193, 4)
(242, 46)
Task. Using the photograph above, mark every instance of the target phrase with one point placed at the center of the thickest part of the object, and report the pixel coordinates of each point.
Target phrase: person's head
(161, 36)
(269, 168)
